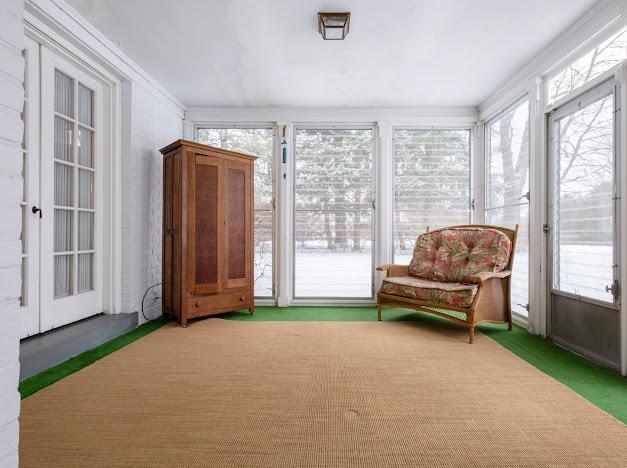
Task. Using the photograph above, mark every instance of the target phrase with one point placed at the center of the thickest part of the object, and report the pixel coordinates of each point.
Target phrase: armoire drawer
(216, 303)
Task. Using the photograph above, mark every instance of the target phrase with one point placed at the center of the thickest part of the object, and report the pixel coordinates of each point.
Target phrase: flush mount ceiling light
(333, 26)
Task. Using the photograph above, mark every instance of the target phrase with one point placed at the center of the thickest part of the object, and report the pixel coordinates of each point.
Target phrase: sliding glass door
(333, 212)
(431, 184)
(507, 189)
(259, 141)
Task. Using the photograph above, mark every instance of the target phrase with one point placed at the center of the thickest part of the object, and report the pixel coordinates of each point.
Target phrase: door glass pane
(62, 230)
(85, 230)
(62, 275)
(85, 272)
(333, 217)
(583, 209)
(85, 98)
(507, 183)
(431, 184)
(63, 184)
(85, 189)
(260, 142)
(63, 139)
(85, 147)
(63, 94)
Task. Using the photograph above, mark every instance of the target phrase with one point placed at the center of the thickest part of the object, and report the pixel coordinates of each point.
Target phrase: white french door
(62, 211)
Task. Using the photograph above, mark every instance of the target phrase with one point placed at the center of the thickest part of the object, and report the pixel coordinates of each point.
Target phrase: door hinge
(374, 204)
(614, 289)
(472, 204)
(546, 228)
(373, 290)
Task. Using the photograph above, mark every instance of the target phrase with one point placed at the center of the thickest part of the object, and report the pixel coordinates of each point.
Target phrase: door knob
(34, 209)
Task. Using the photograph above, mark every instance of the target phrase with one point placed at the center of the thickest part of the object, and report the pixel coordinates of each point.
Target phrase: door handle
(34, 209)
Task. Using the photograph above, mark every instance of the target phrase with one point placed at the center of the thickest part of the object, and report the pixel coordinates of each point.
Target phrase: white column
(284, 219)
(537, 322)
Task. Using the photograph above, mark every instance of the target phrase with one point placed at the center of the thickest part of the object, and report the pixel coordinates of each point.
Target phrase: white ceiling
(268, 53)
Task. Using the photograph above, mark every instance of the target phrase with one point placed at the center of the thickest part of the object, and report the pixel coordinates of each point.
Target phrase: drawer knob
(241, 299)
(198, 304)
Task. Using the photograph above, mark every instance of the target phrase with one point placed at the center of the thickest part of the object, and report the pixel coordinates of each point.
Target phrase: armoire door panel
(237, 223)
(207, 229)
(168, 232)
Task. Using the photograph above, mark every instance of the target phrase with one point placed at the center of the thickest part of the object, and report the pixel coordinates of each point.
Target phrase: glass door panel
(583, 197)
(333, 213)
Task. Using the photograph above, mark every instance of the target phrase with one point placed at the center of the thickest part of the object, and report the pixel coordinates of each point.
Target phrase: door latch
(614, 289)
(546, 228)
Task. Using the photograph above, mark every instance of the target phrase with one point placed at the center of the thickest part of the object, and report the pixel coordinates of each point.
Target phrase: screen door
(583, 225)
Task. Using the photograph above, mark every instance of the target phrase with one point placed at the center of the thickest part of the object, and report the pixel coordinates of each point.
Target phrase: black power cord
(144, 298)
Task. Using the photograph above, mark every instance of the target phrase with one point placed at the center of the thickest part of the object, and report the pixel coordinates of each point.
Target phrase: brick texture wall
(150, 125)
(11, 130)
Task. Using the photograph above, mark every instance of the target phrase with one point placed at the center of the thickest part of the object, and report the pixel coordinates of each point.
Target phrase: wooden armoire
(207, 230)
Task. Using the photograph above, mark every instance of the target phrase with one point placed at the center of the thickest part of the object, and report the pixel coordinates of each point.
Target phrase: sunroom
(313, 234)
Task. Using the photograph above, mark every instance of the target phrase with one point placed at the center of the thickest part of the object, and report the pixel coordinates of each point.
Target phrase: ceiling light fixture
(333, 26)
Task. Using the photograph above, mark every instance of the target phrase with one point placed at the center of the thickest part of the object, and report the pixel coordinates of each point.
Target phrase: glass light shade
(333, 26)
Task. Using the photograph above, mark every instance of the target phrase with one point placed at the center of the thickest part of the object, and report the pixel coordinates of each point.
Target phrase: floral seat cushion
(455, 294)
(456, 255)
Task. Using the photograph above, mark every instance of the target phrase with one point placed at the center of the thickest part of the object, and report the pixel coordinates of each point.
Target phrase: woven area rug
(313, 394)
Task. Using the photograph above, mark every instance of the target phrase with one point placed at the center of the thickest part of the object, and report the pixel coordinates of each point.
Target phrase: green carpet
(48, 377)
(602, 387)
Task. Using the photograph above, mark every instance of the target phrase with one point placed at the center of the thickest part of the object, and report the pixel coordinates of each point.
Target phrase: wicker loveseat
(461, 273)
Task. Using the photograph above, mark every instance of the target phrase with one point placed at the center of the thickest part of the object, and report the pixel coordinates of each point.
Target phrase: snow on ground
(584, 269)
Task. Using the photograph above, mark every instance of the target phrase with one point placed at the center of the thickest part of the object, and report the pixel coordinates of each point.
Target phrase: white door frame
(76, 306)
(29, 309)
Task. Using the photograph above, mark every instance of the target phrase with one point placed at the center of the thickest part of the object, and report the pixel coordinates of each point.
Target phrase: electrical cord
(144, 298)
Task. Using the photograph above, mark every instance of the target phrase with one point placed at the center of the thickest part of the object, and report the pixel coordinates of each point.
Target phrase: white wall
(11, 128)
(149, 123)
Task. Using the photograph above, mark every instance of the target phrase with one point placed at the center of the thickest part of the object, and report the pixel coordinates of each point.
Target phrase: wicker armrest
(394, 270)
(486, 275)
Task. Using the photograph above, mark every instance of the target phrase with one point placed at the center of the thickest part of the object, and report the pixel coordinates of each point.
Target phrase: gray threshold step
(41, 352)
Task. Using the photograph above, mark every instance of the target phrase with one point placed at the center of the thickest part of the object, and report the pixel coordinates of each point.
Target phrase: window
(595, 62)
(333, 212)
(507, 189)
(583, 198)
(431, 184)
(259, 141)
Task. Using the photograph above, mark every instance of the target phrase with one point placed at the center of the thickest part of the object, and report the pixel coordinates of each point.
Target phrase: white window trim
(383, 120)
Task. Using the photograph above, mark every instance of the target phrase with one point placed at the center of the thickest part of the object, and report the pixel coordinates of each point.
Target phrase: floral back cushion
(458, 254)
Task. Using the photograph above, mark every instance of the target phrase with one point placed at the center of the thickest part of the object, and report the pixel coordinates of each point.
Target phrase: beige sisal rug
(312, 394)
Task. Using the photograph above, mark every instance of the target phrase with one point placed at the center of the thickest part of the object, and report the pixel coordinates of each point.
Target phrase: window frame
(296, 300)
(259, 300)
(486, 195)
(471, 172)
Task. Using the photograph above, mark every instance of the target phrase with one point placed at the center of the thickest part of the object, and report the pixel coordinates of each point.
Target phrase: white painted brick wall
(152, 124)
(11, 128)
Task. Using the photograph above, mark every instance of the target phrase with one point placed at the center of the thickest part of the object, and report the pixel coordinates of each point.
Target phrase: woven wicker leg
(471, 333)
(379, 312)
